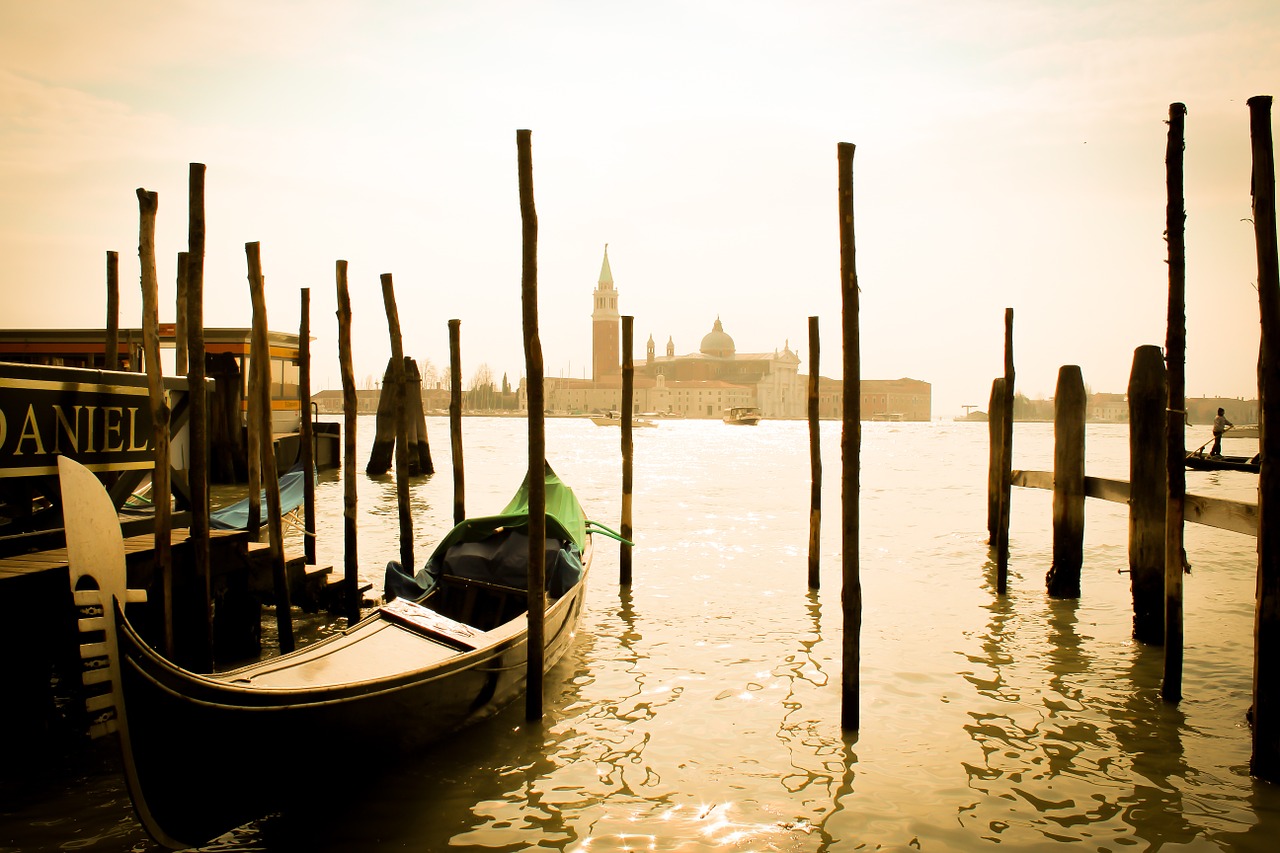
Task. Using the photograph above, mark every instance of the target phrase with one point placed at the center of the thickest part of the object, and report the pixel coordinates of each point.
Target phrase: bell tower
(605, 322)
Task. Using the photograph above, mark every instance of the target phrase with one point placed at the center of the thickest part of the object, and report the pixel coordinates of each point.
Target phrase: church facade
(716, 377)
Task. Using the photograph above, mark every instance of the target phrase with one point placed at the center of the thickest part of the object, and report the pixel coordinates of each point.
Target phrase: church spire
(606, 275)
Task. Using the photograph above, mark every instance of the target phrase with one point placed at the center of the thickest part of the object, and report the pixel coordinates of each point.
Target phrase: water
(701, 709)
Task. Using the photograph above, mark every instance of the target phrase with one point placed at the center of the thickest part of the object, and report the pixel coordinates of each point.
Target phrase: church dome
(717, 343)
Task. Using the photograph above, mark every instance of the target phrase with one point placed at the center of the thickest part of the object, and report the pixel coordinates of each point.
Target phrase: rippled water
(700, 710)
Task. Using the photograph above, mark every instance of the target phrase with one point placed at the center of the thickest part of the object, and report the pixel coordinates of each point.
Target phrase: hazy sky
(1010, 153)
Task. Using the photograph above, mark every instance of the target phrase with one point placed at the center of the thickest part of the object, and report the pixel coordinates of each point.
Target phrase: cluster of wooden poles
(191, 360)
(1156, 492)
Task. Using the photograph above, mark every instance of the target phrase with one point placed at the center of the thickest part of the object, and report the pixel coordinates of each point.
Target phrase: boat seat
(481, 603)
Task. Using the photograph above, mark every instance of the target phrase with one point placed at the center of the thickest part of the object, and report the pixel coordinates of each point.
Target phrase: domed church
(703, 384)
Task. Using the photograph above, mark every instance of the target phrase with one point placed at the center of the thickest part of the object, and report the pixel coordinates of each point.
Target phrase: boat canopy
(494, 548)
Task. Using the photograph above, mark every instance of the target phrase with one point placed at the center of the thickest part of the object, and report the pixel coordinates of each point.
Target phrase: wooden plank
(1236, 516)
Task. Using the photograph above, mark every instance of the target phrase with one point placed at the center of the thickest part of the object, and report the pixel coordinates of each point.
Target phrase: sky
(1009, 154)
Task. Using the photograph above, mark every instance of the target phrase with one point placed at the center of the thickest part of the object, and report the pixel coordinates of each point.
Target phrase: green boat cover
(494, 548)
(565, 518)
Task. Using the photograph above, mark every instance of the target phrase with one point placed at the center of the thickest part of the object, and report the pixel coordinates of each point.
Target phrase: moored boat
(205, 753)
(742, 415)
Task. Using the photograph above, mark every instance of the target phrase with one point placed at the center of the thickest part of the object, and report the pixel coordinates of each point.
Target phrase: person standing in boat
(1220, 425)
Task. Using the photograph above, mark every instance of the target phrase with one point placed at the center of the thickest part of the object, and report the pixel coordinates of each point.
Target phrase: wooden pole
(455, 420)
(995, 434)
(350, 407)
(307, 431)
(180, 318)
(160, 488)
(260, 359)
(815, 462)
(850, 450)
(1264, 761)
(537, 436)
(418, 445)
(253, 443)
(1175, 354)
(628, 447)
(1069, 405)
(1148, 483)
(198, 431)
(112, 354)
(387, 422)
(402, 424)
(1006, 461)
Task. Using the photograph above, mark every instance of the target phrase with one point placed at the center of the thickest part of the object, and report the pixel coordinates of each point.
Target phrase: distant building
(704, 383)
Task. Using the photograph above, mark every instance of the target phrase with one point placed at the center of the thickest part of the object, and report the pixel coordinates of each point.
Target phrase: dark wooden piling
(160, 488)
(815, 462)
(628, 447)
(198, 429)
(253, 441)
(1069, 404)
(1175, 445)
(307, 430)
(850, 450)
(180, 317)
(1264, 762)
(455, 421)
(1148, 397)
(112, 353)
(402, 423)
(995, 436)
(260, 359)
(387, 420)
(1006, 461)
(418, 446)
(350, 407)
(537, 436)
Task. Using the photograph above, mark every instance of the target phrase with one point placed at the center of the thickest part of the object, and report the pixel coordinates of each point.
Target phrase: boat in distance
(615, 419)
(1200, 461)
(205, 753)
(742, 415)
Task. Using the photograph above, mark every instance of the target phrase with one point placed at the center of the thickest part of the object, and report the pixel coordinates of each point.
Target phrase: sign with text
(104, 425)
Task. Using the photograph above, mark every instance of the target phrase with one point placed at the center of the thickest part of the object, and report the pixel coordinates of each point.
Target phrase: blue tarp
(236, 516)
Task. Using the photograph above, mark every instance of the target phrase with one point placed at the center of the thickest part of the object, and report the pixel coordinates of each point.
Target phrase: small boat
(615, 419)
(1243, 431)
(742, 415)
(205, 753)
(1198, 460)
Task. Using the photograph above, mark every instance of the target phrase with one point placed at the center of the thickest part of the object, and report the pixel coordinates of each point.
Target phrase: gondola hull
(1202, 462)
(205, 754)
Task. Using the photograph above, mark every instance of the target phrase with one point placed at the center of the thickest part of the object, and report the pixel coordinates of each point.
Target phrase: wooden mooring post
(160, 488)
(350, 409)
(112, 353)
(1175, 446)
(1148, 397)
(397, 377)
(850, 449)
(455, 421)
(180, 320)
(1069, 402)
(995, 437)
(628, 447)
(1264, 762)
(815, 462)
(198, 430)
(537, 435)
(1006, 460)
(260, 363)
(307, 431)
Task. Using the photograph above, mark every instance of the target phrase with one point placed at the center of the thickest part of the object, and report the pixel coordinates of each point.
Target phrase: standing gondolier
(1220, 425)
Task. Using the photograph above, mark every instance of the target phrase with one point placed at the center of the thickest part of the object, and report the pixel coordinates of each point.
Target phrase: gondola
(204, 754)
(1200, 461)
